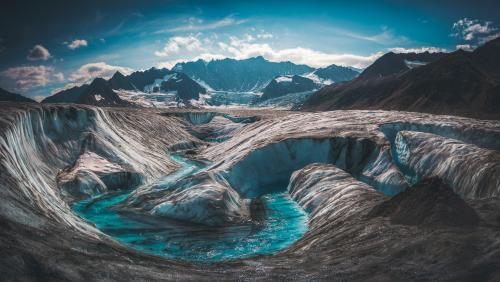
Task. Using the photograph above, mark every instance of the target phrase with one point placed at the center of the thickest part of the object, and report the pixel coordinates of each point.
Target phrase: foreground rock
(430, 202)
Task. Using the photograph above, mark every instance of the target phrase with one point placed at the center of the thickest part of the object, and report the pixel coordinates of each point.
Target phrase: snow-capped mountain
(239, 75)
(159, 81)
(98, 93)
(332, 74)
(283, 85)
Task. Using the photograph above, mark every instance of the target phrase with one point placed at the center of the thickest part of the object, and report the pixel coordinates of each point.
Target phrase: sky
(46, 46)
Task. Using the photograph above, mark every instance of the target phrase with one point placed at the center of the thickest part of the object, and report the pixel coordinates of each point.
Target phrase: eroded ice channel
(277, 223)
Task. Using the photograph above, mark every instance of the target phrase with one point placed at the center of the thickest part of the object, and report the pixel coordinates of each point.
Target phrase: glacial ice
(93, 174)
(206, 202)
(269, 168)
(326, 192)
(362, 154)
(472, 172)
(42, 141)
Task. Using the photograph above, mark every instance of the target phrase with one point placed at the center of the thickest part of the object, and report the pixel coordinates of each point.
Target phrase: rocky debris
(429, 203)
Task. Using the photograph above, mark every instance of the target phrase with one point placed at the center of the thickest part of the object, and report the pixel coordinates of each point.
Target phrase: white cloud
(170, 64)
(65, 87)
(466, 47)
(314, 58)
(38, 52)
(418, 50)
(59, 76)
(471, 29)
(244, 48)
(196, 24)
(77, 43)
(26, 77)
(257, 44)
(265, 35)
(90, 71)
(176, 43)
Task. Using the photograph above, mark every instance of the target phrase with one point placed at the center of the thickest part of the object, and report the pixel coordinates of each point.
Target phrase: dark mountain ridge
(6, 96)
(336, 73)
(97, 93)
(459, 83)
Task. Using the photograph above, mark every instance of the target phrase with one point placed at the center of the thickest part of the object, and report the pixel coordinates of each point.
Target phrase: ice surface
(473, 172)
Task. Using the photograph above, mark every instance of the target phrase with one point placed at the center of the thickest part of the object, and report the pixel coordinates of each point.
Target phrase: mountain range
(102, 92)
(239, 75)
(458, 83)
(98, 93)
(254, 74)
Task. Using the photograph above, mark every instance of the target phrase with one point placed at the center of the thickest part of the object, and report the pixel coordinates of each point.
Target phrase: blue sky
(47, 46)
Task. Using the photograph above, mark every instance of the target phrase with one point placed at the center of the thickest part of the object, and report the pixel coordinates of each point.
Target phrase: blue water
(282, 223)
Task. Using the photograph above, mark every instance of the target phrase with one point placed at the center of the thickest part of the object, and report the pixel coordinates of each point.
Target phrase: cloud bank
(88, 72)
(38, 52)
(475, 32)
(27, 77)
(194, 47)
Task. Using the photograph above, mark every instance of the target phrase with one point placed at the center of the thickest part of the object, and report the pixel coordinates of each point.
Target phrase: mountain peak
(98, 81)
(389, 63)
(117, 74)
(259, 58)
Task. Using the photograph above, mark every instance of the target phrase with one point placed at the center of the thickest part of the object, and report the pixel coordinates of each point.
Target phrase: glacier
(325, 172)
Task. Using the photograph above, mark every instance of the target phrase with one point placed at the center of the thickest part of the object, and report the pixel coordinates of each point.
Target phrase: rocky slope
(185, 88)
(6, 96)
(460, 83)
(97, 93)
(283, 85)
(119, 81)
(333, 73)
